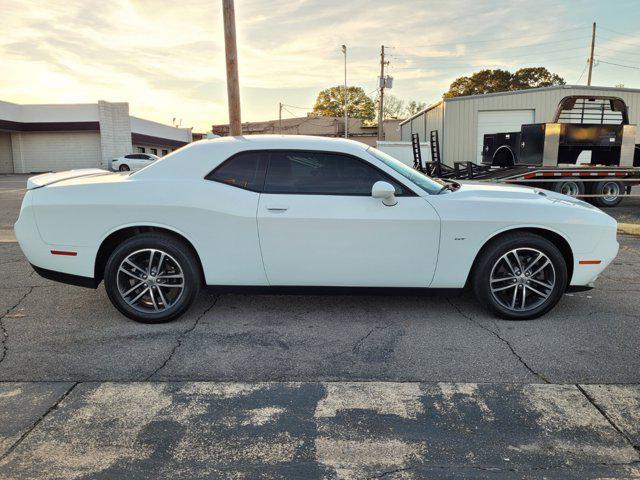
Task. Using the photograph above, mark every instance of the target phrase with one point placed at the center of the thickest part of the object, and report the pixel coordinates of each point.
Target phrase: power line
(619, 60)
(306, 120)
(495, 39)
(293, 106)
(583, 70)
(498, 64)
(451, 60)
(619, 64)
(555, 42)
(620, 33)
(608, 49)
(627, 44)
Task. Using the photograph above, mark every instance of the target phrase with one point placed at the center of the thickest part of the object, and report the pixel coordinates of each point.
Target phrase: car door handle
(277, 209)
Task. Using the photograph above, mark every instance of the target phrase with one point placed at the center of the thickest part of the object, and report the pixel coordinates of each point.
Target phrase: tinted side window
(320, 173)
(244, 170)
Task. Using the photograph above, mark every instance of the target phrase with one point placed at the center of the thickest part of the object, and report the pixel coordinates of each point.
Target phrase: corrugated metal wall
(458, 138)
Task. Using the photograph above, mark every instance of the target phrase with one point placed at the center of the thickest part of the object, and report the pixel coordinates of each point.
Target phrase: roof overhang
(49, 126)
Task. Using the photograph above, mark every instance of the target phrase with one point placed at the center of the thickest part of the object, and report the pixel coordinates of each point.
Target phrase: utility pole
(381, 106)
(231, 53)
(280, 118)
(346, 119)
(593, 46)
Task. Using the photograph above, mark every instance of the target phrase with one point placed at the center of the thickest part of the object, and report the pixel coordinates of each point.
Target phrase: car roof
(199, 158)
(274, 142)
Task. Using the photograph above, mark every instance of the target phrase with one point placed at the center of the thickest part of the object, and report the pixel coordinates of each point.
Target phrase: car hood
(507, 192)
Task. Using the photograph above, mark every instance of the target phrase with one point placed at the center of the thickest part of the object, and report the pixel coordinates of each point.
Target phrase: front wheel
(124, 168)
(152, 278)
(520, 276)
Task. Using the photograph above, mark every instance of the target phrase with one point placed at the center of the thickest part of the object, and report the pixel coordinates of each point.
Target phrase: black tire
(491, 255)
(608, 187)
(176, 251)
(569, 187)
(124, 168)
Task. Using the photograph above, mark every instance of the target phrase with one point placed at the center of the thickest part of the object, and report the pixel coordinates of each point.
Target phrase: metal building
(462, 122)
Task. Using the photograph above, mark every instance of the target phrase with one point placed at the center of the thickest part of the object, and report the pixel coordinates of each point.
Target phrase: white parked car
(133, 162)
(272, 211)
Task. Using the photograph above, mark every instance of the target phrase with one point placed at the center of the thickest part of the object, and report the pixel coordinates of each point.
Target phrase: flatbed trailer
(611, 183)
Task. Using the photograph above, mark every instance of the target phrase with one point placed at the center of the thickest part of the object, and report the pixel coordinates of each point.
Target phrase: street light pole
(346, 118)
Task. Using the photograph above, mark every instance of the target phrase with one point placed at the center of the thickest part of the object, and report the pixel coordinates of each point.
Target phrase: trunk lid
(49, 178)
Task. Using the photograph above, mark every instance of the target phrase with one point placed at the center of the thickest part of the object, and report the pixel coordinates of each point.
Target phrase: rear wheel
(520, 276)
(152, 278)
(569, 187)
(124, 168)
(611, 193)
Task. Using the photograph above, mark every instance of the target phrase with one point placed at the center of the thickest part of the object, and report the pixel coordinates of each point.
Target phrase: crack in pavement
(179, 338)
(38, 421)
(501, 338)
(3, 328)
(608, 419)
(358, 343)
(355, 348)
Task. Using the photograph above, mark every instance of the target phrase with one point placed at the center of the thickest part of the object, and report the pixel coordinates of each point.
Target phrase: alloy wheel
(522, 279)
(150, 280)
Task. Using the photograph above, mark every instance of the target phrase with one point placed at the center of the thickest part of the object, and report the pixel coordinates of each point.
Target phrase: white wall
(402, 151)
(155, 129)
(80, 112)
(10, 111)
(147, 149)
(6, 156)
(55, 151)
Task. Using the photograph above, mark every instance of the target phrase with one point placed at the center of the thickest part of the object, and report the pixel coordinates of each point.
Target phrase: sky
(166, 58)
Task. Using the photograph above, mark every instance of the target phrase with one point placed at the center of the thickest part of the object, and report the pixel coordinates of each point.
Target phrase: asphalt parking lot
(286, 386)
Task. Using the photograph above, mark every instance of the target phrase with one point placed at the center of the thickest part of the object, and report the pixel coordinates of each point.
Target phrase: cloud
(167, 58)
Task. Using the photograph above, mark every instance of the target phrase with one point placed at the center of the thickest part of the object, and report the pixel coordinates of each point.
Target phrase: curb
(7, 235)
(629, 229)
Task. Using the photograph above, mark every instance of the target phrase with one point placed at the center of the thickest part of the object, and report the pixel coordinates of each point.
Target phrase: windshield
(426, 183)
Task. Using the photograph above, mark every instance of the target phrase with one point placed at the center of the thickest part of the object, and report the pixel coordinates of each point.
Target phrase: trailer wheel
(611, 193)
(503, 157)
(569, 187)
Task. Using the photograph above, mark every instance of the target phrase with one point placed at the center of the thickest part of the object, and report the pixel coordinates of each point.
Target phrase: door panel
(332, 240)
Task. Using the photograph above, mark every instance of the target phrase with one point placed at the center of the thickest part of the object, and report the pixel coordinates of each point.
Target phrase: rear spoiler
(49, 178)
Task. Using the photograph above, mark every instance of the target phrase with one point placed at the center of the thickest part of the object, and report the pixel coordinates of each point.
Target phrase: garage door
(6, 158)
(54, 152)
(497, 121)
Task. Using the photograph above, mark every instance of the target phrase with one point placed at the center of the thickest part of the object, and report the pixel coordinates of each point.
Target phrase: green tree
(330, 103)
(535, 77)
(490, 81)
(414, 107)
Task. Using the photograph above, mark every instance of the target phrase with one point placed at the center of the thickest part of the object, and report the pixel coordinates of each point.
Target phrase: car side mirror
(385, 191)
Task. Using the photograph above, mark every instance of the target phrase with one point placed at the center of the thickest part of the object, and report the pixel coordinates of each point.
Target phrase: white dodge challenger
(279, 211)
